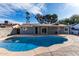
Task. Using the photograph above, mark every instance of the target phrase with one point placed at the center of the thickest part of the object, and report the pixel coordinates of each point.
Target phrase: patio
(68, 48)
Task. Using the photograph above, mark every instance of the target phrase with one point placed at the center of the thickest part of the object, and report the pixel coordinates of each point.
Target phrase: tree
(65, 21)
(27, 17)
(74, 19)
(40, 18)
(54, 18)
(47, 19)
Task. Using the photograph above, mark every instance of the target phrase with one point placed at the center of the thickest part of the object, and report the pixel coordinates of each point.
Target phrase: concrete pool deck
(68, 48)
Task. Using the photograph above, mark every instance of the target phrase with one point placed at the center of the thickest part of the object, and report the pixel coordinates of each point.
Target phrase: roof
(16, 26)
(35, 25)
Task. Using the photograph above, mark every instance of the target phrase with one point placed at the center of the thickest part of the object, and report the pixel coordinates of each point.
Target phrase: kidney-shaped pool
(29, 42)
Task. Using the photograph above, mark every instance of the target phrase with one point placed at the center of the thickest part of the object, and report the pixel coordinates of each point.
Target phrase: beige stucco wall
(62, 30)
(52, 30)
(27, 30)
(31, 30)
(40, 30)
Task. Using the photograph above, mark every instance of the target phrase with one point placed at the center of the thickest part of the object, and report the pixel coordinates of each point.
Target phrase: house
(40, 29)
(34, 29)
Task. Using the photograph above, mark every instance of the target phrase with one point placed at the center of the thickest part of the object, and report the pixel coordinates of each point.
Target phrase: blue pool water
(29, 43)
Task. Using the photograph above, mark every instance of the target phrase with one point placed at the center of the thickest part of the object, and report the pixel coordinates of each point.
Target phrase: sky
(15, 13)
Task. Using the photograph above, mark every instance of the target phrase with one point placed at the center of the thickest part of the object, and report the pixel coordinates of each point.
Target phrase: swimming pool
(29, 43)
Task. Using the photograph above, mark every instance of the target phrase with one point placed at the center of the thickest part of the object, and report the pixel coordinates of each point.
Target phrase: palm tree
(27, 17)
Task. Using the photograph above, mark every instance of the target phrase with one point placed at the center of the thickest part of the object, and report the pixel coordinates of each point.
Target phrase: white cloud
(70, 9)
(34, 8)
(73, 4)
(8, 9)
